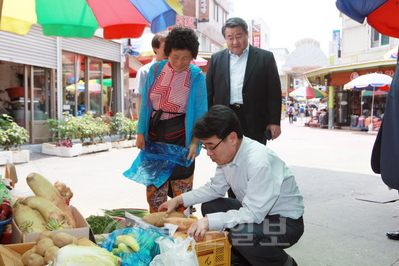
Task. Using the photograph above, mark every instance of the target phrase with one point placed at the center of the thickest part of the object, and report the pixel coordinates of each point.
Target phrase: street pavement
(332, 169)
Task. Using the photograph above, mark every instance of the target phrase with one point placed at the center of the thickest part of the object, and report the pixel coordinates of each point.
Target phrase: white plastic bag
(175, 253)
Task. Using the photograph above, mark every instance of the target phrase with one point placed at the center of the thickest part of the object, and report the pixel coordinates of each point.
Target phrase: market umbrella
(81, 18)
(370, 82)
(284, 93)
(94, 87)
(382, 15)
(373, 93)
(308, 93)
(392, 54)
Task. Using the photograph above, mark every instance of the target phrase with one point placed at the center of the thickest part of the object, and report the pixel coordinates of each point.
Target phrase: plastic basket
(3, 225)
(214, 252)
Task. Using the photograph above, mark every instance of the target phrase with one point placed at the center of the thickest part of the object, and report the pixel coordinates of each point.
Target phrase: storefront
(41, 77)
(348, 103)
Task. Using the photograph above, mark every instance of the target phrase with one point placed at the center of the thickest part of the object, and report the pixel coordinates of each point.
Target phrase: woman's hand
(140, 141)
(192, 149)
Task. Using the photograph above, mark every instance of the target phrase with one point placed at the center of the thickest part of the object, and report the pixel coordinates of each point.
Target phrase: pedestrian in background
(291, 113)
(301, 112)
(174, 97)
(246, 79)
(158, 45)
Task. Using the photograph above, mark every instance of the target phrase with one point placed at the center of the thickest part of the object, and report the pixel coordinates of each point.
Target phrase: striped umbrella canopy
(370, 82)
(382, 15)
(81, 18)
(308, 93)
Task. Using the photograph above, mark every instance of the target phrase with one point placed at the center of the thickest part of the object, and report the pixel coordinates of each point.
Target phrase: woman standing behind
(173, 98)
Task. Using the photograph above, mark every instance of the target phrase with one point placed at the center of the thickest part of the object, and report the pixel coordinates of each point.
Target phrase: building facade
(362, 50)
(41, 77)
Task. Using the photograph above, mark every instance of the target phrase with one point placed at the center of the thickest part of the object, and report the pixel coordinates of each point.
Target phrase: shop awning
(340, 74)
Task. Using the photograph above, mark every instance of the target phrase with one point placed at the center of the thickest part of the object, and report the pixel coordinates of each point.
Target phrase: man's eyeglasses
(211, 149)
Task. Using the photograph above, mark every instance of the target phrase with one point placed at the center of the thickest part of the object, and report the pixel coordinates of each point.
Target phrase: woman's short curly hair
(181, 38)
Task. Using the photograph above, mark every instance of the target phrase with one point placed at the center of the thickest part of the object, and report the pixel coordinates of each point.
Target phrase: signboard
(256, 35)
(203, 11)
(185, 21)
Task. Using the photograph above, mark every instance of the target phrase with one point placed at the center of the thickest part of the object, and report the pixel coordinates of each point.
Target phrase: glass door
(94, 87)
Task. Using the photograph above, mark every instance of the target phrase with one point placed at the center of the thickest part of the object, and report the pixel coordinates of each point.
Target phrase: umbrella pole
(361, 102)
(371, 128)
(372, 106)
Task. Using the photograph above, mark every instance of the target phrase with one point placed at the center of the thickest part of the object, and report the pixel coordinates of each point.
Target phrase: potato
(25, 256)
(158, 218)
(44, 234)
(62, 239)
(43, 245)
(36, 260)
(50, 254)
(180, 234)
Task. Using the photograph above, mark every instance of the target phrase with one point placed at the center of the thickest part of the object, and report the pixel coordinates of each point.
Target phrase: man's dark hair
(181, 38)
(235, 22)
(157, 39)
(219, 121)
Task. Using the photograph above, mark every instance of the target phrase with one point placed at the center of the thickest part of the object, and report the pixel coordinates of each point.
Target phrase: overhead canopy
(81, 18)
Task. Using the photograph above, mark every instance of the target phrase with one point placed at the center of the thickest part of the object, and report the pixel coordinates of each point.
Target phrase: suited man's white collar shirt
(237, 73)
(262, 183)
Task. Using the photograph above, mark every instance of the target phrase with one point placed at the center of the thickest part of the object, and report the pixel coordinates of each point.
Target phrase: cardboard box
(11, 254)
(82, 229)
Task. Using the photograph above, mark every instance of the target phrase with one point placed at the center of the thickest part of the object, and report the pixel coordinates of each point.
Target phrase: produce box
(11, 254)
(82, 229)
(214, 252)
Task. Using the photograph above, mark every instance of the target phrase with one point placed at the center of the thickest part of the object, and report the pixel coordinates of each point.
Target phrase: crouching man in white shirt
(266, 216)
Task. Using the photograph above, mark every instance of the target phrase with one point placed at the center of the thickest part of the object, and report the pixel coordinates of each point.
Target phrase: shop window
(216, 11)
(378, 39)
(79, 95)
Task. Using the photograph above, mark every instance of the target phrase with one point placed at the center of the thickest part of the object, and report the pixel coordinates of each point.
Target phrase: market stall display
(46, 231)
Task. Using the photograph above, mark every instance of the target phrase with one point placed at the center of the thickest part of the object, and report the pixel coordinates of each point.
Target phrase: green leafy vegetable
(103, 224)
(121, 212)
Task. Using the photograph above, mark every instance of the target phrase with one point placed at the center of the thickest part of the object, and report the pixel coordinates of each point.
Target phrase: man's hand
(274, 129)
(171, 205)
(198, 229)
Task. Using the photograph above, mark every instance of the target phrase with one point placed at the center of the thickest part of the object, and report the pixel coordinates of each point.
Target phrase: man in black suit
(246, 79)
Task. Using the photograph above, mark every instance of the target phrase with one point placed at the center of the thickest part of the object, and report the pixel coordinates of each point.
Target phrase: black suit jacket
(385, 154)
(261, 88)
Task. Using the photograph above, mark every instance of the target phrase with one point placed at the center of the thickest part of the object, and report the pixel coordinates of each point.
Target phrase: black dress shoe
(393, 235)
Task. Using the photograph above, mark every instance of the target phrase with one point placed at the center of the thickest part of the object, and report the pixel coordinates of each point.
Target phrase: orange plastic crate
(214, 252)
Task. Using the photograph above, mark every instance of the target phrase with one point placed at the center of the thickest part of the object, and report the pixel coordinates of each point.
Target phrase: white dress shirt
(238, 65)
(141, 76)
(260, 180)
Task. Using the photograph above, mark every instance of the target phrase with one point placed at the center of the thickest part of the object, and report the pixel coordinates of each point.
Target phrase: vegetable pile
(65, 249)
(46, 210)
(46, 248)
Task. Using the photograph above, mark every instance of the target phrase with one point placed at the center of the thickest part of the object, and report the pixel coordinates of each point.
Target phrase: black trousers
(258, 244)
